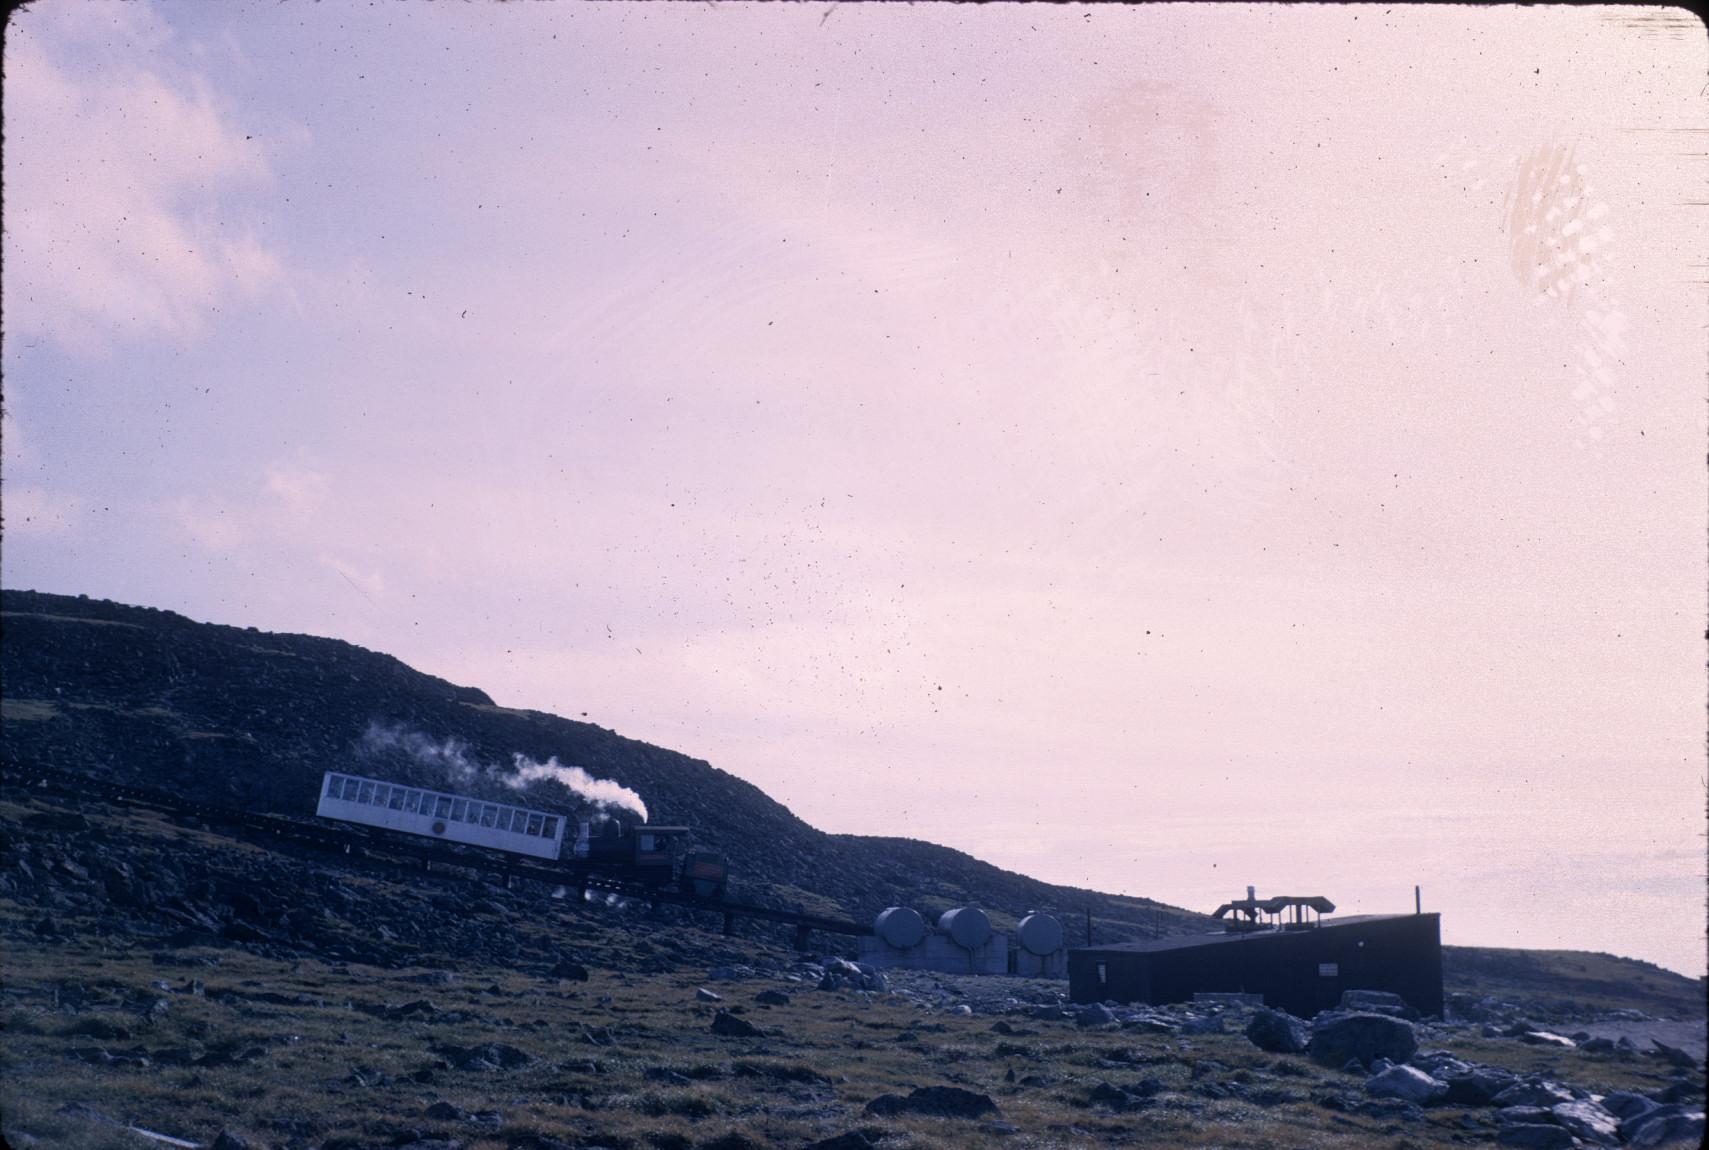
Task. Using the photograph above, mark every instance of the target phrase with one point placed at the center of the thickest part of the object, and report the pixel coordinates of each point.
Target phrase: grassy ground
(303, 1052)
(104, 1028)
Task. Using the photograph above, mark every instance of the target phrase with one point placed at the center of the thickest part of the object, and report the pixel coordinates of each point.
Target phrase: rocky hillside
(1569, 981)
(247, 718)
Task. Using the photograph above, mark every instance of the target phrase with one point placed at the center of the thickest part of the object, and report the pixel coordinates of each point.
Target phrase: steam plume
(448, 759)
(602, 793)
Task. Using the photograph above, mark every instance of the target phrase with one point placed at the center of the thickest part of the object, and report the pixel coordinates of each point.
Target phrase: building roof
(1188, 941)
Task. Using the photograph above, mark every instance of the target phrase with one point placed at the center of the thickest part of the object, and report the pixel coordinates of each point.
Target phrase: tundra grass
(104, 1030)
(305, 1052)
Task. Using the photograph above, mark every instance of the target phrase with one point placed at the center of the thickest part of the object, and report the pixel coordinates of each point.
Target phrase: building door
(1327, 986)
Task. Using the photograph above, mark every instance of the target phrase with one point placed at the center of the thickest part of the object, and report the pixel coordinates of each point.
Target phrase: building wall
(1301, 972)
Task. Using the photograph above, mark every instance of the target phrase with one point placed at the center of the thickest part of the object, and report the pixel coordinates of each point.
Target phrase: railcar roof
(1188, 941)
(447, 794)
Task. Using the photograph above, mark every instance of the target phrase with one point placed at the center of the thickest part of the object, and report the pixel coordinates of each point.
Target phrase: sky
(1159, 449)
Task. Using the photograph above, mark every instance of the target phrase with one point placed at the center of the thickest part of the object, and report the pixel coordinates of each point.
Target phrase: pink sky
(1134, 445)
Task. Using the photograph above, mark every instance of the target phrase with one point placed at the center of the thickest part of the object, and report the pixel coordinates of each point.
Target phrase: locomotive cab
(644, 850)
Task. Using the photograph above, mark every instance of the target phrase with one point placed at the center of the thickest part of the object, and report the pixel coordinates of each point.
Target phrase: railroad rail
(380, 846)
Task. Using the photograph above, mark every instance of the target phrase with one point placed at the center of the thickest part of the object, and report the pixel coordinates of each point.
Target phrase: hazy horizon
(1155, 449)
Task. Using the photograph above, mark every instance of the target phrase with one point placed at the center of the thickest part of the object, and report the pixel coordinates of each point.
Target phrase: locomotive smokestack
(1251, 893)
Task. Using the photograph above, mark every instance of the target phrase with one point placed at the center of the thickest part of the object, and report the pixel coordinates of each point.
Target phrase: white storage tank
(1040, 934)
(967, 925)
(900, 926)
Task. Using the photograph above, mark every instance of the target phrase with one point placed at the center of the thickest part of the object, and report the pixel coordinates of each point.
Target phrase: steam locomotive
(642, 853)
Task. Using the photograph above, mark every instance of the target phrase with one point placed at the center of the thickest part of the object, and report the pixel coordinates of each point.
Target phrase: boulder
(1278, 1032)
(936, 1101)
(1336, 1038)
(1533, 1092)
(1135, 1097)
(1479, 1088)
(1524, 1115)
(841, 974)
(1673, 1055)
(772, 998)
(573, 971)
(1626, 1106)
(226, 1140)
(492, 1056)
(1536, 1137)
(1377, 1002)
(1408, 1084)
(1588, 1120)
(1669, 1122)
(727, 1025)
(1095, 1014)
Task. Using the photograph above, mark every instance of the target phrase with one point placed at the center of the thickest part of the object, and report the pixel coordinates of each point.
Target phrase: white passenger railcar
(434, 814)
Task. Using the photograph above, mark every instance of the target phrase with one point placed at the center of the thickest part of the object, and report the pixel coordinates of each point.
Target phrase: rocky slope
(162, 980)
(252, 719)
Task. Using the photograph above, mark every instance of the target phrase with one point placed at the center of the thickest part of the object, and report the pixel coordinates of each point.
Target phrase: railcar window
(412, 802)
(381, 792)
(550, 830)
(334, 786)
(534, 824)
(442, 807)
(352, 790)
(457, 808)
(398, 797)
(366, 793)
(504, 814)
(489, 816)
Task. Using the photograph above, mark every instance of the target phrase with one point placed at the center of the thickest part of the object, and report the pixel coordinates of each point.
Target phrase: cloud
(213, 527)
(282, 509)
(118, 219)
(38, 511)
(302, 490)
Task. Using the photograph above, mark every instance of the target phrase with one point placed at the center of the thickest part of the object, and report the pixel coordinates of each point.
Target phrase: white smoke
(602, 793)
(449, 758)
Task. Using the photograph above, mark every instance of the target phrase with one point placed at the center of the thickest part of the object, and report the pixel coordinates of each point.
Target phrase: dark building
(1301, 970)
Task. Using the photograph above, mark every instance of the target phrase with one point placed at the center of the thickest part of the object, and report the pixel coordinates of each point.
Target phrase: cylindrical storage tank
(1040, 934)
(900, 926)
(967, 925)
